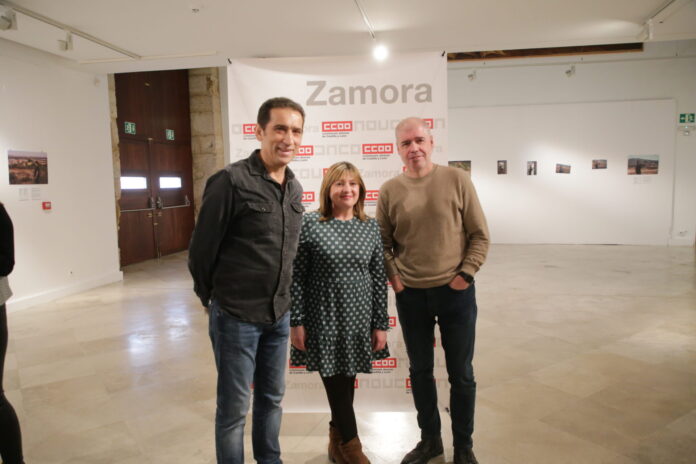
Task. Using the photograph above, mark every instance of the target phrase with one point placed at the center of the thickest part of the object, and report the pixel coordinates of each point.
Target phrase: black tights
(340, 392)
(10, 436)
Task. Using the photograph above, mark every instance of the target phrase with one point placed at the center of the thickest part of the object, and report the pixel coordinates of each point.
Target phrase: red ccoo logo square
(308, 197)
(249, 129)
(337, 126)
(429, 122)
(306, 150)
(371, 195)
(377, 148)
(392, 321)
(408, 382)
(387, 363)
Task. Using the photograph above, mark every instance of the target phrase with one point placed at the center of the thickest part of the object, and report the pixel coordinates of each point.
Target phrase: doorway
(157, 214)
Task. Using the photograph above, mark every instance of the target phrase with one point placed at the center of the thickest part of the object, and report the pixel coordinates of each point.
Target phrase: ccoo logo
(337, 126)
(248, 129)
(308, 197)
(377, 148)
(306, 150)
(392, 321)
(371, 195)
(387, 363)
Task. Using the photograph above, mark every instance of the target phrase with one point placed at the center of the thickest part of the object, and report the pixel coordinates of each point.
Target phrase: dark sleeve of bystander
(6, 243)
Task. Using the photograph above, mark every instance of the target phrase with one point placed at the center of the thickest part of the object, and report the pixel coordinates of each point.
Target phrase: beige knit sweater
(432, 227)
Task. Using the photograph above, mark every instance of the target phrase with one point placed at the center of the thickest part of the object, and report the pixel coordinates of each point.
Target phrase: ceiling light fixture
(45, 19)
(67, 44)
(8, 20)
(380, 52)
(660, 17)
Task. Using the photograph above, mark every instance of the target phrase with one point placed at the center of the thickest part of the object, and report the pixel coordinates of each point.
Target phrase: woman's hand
(298, 337)
(379, 339)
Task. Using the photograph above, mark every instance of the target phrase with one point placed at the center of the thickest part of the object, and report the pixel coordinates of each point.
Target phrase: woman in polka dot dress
(339, 315)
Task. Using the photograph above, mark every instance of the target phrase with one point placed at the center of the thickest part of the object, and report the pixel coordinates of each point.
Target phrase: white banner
(352, 105)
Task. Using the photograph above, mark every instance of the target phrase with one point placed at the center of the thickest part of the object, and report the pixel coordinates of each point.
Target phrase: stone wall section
(115, 154)
(207, 144)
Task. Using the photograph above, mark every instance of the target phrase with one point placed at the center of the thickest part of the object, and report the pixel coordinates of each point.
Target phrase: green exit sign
(169, 133)
(129, 127)
(687, 118)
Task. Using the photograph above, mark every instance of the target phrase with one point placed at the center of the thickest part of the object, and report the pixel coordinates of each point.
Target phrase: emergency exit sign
(687, 118)
(169, 134)
(129, 127)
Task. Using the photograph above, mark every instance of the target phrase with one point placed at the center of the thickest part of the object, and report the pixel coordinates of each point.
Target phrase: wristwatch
(468, 277)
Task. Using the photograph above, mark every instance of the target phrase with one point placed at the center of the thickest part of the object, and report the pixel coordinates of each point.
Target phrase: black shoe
(464, 456)
(424, 451)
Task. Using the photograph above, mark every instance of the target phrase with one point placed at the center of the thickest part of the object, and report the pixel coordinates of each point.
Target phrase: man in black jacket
(240, 257)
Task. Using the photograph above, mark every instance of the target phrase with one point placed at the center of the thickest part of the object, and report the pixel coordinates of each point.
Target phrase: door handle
(186, 204)
(159, 203)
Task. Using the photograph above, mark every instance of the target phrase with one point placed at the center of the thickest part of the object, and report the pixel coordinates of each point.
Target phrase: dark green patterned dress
(339, 294)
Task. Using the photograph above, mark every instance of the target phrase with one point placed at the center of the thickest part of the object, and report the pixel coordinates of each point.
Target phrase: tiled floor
(585, 354)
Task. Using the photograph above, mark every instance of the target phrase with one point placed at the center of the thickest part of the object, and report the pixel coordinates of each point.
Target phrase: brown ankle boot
(335, 454)
(352, 452)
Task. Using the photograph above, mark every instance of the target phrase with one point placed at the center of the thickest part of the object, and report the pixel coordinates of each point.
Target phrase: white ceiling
(160, 30)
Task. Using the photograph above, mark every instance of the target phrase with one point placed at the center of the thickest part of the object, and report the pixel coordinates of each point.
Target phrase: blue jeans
(455, 312)
(246, 354)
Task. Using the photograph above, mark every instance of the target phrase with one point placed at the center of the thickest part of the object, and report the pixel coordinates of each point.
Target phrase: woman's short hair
(335, 173)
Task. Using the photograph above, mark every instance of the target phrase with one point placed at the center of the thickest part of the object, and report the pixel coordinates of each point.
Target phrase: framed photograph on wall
(641, 165)
(562, 168)
(465, 165)
(27, 167)
(599, 164)
(502, 167)
(531, 168)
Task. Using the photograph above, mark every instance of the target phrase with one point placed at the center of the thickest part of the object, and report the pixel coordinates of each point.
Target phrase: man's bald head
(410, 122)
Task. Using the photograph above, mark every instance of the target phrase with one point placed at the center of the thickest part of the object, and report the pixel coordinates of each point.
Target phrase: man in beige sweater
(435, 240)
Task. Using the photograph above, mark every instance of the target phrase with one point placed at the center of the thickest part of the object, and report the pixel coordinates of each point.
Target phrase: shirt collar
(256, 167)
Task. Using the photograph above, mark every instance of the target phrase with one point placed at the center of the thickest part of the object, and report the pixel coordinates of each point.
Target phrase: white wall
(664, 71)
(44, 106)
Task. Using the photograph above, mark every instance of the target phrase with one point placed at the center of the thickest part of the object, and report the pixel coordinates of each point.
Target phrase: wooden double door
(157, 213)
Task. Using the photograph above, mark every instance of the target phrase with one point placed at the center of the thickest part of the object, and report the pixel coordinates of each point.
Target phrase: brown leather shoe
(335, 454)
(425, 450)
(352, 452)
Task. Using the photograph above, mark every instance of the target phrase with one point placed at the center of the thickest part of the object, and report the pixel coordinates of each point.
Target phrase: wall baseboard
(681, 242)
(18, 304)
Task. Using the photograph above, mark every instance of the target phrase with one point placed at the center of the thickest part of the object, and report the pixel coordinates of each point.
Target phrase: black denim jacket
(245, 241)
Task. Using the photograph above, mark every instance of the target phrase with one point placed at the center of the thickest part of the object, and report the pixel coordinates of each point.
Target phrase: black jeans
(455, 312)
(340, 391)
(10, 436)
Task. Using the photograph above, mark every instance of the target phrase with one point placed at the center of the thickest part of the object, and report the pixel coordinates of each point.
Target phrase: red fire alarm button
(46, 205)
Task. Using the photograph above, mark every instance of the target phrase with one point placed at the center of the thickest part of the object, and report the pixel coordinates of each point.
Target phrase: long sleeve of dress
(380, 317)
(300, 272)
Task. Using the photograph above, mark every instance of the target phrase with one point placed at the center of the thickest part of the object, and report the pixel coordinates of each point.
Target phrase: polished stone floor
(585, 354)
